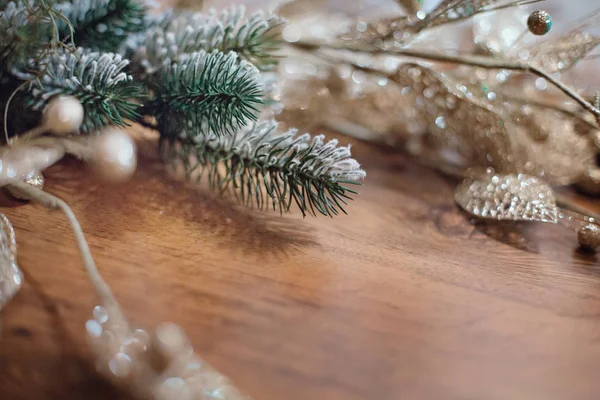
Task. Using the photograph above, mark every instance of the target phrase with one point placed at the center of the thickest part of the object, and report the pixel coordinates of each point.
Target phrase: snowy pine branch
(212, 91)
(102, 25)
(97, 80)
(201, 75)
(271, 169)
(254, 39)
(19, 39)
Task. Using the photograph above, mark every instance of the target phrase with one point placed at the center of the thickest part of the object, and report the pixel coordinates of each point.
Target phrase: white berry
(63, 115)
(113, 155)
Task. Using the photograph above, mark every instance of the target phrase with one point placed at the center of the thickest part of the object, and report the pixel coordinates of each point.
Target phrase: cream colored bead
(63, 115)
(113, 155)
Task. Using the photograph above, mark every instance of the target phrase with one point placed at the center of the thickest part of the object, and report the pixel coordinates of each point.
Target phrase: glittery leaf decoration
(551, 144)
(457, 120)
(489, 33)
(454, 10)
(459, 10)
(516, 197)
(563, 53)
(398, 28)
(11, 276)
(403, 29)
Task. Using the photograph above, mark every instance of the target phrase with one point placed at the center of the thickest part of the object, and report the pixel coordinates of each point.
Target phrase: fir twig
(208, 91)
(29, 32)
(271, 169)
(19, 39)
(102, 25)
(41, 11)
(97, 80)
(177, 36)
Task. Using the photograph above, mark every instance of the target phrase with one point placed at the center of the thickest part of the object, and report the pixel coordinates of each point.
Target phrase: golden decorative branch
(463, 59)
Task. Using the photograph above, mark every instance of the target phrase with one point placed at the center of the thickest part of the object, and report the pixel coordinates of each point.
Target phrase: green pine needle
(97, 80)
(255, 39)
(270, 169)
(103, 25)
(206, 92)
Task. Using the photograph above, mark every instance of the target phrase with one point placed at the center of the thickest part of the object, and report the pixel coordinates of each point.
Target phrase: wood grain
(402, 299)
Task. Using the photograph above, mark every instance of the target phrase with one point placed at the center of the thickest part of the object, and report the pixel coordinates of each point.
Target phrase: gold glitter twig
(475, 61)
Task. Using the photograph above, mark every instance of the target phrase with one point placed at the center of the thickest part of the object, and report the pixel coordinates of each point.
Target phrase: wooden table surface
(402, 299)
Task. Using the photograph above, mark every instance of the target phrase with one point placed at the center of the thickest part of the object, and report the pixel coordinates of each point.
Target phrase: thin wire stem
(12, 95)
(568, 203)
(52, 202)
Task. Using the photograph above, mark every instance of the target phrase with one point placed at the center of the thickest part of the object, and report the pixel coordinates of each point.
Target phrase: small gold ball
(35, 179)
(589, 237)
(539, 22)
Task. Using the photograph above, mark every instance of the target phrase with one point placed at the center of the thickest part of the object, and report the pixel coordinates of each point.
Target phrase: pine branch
(97, 80)
(254, 39)
(20, 40)
(102, 25)
(206, 92)
(134, 41)
(271, 169)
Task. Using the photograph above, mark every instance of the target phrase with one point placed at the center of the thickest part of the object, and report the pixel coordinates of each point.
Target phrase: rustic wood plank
(403, 298)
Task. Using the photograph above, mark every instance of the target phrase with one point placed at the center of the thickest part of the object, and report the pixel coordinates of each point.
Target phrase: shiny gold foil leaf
(457, 120)
(515, 197)
(397, 28)
(551, 144)
(563, 53)
(455, 10)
